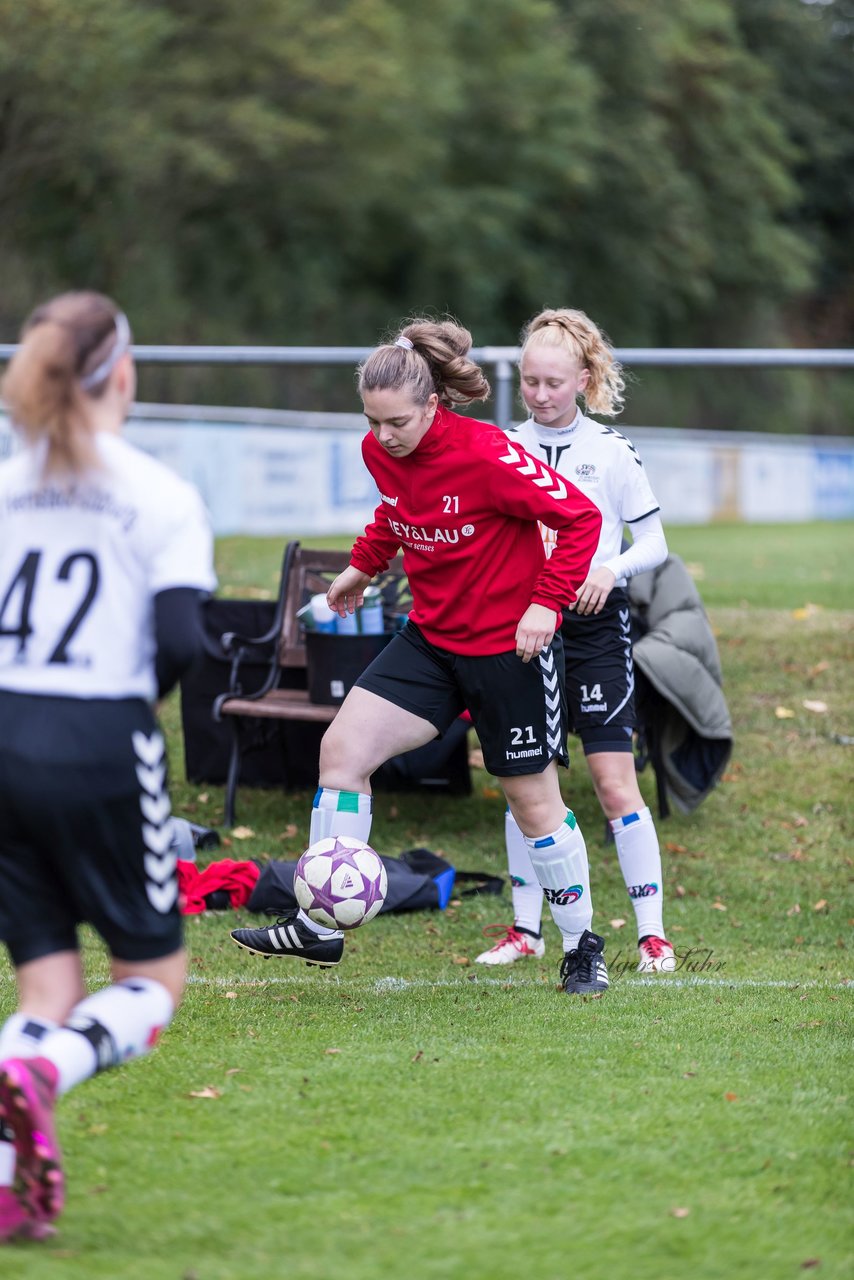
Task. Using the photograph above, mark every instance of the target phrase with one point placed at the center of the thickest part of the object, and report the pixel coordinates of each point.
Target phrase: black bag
(419, 880)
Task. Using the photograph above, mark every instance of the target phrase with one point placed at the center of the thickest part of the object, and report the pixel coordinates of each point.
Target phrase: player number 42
(22, 589)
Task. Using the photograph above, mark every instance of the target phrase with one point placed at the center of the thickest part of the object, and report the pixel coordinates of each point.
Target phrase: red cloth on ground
(238, 878)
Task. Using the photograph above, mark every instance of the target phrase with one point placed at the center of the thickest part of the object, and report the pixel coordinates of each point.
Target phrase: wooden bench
(305, 572)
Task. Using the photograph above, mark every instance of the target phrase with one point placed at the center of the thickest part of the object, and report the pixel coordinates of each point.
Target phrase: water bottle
(346, 626)
(322, 615)
(371, 613)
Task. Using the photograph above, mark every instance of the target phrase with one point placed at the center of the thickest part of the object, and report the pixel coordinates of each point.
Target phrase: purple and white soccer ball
(340, 882)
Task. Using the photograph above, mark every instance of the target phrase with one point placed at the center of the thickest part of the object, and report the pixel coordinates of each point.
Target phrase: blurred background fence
(279, 472)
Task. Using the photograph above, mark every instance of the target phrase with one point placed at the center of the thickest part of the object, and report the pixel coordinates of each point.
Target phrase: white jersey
(80, 564)
(604, 465)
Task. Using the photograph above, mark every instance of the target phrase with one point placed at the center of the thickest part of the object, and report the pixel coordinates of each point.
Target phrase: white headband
(102, 371)
(403, 342)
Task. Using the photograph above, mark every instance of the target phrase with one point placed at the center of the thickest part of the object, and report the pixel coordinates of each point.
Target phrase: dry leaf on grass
(331, 1050)
(208, 1092)
(616, 924)
(718, 906)
(731, 1097)
(795, 910)
(813, 704)
(820, 905)
(243, 833)
(784, 713)
(679, 1212)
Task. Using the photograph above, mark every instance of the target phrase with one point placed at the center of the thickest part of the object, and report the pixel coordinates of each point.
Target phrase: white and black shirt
(607, 468)
(80, 564)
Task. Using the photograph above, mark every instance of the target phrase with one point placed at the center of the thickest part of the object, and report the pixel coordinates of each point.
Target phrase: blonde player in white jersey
(566, 358)
(104, 555)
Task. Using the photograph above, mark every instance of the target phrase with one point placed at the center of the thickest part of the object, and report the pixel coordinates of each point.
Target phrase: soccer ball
(340, 882)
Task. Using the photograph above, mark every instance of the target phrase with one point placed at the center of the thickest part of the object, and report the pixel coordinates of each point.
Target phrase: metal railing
(502, 360)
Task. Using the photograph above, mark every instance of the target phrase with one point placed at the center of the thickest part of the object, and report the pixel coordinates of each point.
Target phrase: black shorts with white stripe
(600, 674)
(518, 708)
(85, 828)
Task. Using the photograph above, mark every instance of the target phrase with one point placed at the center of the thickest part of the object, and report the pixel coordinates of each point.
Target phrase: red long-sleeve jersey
(464, 508)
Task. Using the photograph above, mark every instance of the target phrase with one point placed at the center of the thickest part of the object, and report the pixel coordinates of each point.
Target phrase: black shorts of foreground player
(103, 555)
(464, 505)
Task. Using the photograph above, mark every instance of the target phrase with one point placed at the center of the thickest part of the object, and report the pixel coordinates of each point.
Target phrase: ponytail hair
(426, 357)
(69, 347)
(575, 333)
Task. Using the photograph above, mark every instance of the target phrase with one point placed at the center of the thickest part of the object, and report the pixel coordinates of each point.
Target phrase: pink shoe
(656, 955)
(16, 1221)
(514, 945)
(27, 1100)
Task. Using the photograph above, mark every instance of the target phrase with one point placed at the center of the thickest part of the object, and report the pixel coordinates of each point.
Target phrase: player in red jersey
(464, 503)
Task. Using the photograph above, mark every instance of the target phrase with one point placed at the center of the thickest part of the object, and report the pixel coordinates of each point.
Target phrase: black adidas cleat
(290, 937)
(583, 971)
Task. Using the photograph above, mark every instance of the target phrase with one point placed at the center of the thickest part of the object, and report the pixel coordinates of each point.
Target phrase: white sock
(341, 813)
(640, 862)
(337, 813)
(20, 1037)
(107, 1028)
(525, 887)
(560, 863)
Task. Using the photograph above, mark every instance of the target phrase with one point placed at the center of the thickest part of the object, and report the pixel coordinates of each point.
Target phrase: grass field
(412, 1115)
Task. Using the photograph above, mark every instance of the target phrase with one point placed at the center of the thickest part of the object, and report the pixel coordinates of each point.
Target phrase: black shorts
(518, 708)
(600, 676)
(85, 828)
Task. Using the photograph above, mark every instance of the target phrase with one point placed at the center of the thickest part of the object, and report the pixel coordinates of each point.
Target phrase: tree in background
(278, 171)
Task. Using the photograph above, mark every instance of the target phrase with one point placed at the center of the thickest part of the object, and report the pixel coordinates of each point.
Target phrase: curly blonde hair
(575, 333)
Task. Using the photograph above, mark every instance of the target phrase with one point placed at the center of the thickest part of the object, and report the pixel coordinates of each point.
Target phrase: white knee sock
(560, 862)
(341, 813)
(20, 1037)
(107, 1028)
(337, 813)
(525, 887)
(640, 862)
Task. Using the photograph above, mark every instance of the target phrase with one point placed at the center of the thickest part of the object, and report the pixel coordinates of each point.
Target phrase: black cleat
(290, 937)
(583, 971)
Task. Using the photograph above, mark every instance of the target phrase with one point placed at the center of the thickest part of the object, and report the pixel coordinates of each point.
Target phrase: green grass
(412, 1115)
